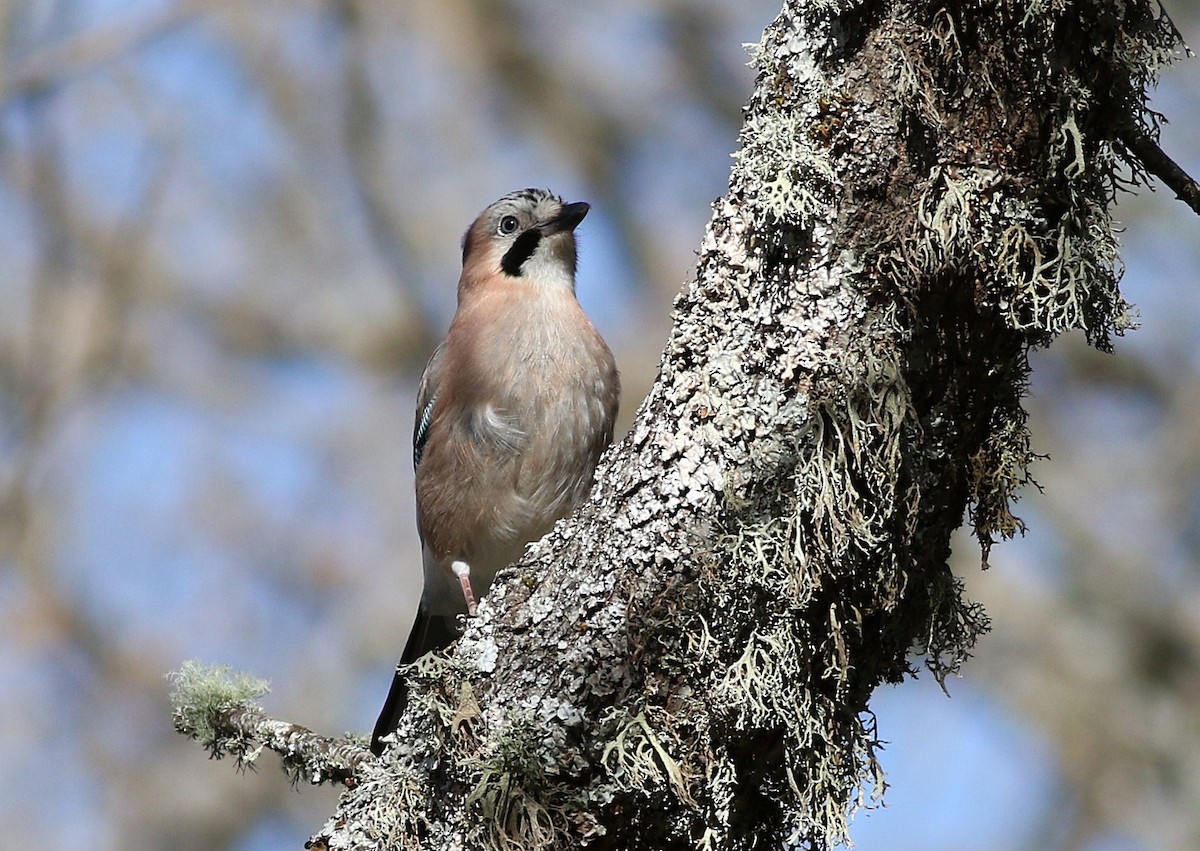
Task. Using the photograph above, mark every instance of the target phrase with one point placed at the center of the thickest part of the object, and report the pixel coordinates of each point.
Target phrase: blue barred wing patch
(421, 433)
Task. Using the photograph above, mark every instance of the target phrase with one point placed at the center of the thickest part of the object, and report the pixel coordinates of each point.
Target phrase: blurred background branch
(229, 233)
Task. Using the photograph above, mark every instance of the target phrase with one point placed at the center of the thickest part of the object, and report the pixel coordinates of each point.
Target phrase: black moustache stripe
(521, 251)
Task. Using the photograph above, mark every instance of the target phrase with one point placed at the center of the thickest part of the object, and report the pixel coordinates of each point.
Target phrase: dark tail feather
(429, 632)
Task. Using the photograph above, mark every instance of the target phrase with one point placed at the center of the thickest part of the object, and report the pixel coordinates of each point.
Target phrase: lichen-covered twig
(217, 708)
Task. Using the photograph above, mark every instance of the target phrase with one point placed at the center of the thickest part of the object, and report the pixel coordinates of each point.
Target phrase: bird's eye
(509, 224)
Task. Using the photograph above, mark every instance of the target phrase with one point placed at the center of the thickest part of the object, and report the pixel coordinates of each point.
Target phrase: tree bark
(922, 194)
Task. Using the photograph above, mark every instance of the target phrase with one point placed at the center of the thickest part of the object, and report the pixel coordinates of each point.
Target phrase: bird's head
(527, 235)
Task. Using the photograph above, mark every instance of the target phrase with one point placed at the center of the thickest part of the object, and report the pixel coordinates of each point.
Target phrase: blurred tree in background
(229, 235)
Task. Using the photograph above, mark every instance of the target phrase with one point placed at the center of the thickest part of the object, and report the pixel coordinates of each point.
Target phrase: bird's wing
(486, 422)
(427, 393)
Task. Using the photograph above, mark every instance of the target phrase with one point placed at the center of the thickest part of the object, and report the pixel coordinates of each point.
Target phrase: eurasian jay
(513, 411)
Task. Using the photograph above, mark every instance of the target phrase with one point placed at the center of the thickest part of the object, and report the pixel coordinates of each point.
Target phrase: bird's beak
(568, 218)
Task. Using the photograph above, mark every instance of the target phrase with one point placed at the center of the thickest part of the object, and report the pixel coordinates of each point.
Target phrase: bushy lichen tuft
(1013, 234)
(795, 175)
(202, 693)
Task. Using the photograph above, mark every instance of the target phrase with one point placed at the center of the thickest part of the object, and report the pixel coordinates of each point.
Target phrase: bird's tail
(429, 632)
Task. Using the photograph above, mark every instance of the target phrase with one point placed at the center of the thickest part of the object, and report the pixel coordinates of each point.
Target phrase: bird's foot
(463, 571)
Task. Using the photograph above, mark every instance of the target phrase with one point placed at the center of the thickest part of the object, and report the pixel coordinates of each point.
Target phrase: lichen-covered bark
(922, 194)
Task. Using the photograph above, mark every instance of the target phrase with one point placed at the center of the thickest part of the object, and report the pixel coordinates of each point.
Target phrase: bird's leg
(463, 571)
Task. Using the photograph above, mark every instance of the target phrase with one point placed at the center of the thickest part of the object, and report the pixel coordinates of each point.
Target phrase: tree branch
(1156, 161)
(216, 708)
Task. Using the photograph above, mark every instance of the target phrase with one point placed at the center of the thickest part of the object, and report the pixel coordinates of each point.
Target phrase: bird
(514, 410)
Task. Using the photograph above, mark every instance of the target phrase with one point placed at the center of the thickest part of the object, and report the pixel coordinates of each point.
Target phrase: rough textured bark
(922, 195)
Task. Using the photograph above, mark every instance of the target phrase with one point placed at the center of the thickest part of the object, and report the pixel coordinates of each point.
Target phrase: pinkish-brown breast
(528, 396)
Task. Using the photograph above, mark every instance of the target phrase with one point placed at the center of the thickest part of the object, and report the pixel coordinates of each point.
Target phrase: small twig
(307, 756)
(1155, 160)
(216, 707)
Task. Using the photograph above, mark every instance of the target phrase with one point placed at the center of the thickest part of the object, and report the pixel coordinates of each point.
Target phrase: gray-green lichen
(201, 693)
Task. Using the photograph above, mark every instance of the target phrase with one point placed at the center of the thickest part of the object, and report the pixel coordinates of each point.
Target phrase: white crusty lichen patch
(793, 174)
(783, 158)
